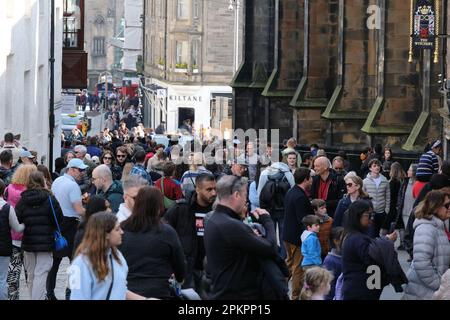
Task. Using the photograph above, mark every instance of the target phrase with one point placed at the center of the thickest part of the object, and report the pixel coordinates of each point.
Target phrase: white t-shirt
(377, 181)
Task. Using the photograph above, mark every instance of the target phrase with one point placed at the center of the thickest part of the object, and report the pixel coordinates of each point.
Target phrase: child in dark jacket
(310, 242)
(333, 261)
(326, 223)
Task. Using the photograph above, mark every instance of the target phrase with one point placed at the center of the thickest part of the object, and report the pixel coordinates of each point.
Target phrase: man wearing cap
(238, 168)
(26, 157)
(68, 194)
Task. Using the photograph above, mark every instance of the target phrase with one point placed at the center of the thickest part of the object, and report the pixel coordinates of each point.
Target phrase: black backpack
(273, 193)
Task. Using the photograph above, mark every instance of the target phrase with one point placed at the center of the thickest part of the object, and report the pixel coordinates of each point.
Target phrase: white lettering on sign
(185, 98)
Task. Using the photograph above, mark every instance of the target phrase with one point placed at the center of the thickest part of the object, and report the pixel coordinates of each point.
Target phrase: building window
(181, 55)
(99, 46)
(195, 54)
(196, 9)
(73, 24)
(182, 9)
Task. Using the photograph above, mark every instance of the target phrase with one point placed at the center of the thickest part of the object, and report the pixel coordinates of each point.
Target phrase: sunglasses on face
(349, 185)
(121, 156)
(107, 158)
(447, 205)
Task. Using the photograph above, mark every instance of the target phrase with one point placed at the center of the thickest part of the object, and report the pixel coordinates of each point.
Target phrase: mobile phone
(392, 227)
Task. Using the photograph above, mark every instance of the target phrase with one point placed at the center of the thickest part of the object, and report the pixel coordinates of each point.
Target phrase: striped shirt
(139, 170)
(428, 164)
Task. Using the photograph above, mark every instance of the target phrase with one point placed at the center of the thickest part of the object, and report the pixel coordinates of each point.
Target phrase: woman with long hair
(35, 211)
(431, 249)
(152, 248)
(99, 271)
(355, 253)
(397, 177)
(387, 162)
(354, 192)
(108, 159)
(126, 171)
(47, 176)
(94, 205)
(12, 195)
(406, 200)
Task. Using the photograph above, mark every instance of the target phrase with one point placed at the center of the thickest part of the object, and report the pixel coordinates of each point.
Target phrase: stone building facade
(189, 47)
(103, 22)
(25, 73)
(336, 73)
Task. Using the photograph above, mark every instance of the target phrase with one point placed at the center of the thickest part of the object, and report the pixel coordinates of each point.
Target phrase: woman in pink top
(12, 196)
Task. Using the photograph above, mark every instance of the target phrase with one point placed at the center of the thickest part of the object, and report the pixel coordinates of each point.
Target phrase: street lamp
(235, 5)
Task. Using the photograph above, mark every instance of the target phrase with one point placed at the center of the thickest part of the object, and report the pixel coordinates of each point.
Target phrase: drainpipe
(52, 86)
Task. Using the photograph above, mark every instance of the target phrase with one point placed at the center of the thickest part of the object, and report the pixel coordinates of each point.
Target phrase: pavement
(389, 292)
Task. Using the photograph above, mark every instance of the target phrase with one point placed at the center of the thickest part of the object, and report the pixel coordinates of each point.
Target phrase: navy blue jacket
(333, 263)
(355, 261)
(234, 253)
(296, 207)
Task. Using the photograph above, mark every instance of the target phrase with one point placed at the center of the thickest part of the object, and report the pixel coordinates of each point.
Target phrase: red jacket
(171, 189)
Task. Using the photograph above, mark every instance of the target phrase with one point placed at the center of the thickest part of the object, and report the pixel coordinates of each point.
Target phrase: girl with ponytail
(316, 284)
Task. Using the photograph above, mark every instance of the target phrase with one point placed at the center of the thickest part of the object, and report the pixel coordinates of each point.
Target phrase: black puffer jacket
(35, 212)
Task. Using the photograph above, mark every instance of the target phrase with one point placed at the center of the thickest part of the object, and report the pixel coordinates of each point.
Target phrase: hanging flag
(424, 27)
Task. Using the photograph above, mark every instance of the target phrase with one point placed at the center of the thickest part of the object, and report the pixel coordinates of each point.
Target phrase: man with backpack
(274, 183)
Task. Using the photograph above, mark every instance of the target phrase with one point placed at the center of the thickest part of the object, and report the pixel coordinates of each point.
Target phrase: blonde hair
(22, 174)
(358, 181)
(315, 279)
(126, 170)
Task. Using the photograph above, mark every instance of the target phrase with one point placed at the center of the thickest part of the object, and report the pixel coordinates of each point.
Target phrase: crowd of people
(144, 220)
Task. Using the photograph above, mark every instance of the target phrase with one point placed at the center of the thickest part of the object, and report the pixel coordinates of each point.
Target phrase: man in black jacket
(327, 185)
(296, 207)
(233, 250)
(187, 218)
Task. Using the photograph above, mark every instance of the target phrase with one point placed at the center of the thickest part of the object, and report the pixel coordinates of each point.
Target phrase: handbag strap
(54, 214)
(112, 281)
(162, 186)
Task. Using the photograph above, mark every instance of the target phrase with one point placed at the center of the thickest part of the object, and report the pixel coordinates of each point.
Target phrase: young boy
(333, 261)
(310, 242)
(326, 223)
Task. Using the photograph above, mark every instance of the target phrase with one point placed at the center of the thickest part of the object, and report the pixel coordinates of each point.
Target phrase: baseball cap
(436, 144)
(26, 154)
(77, 163)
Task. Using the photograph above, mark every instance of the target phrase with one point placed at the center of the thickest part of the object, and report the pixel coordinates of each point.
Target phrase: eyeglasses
(121, 156)
(349, 185)
(107, 158)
